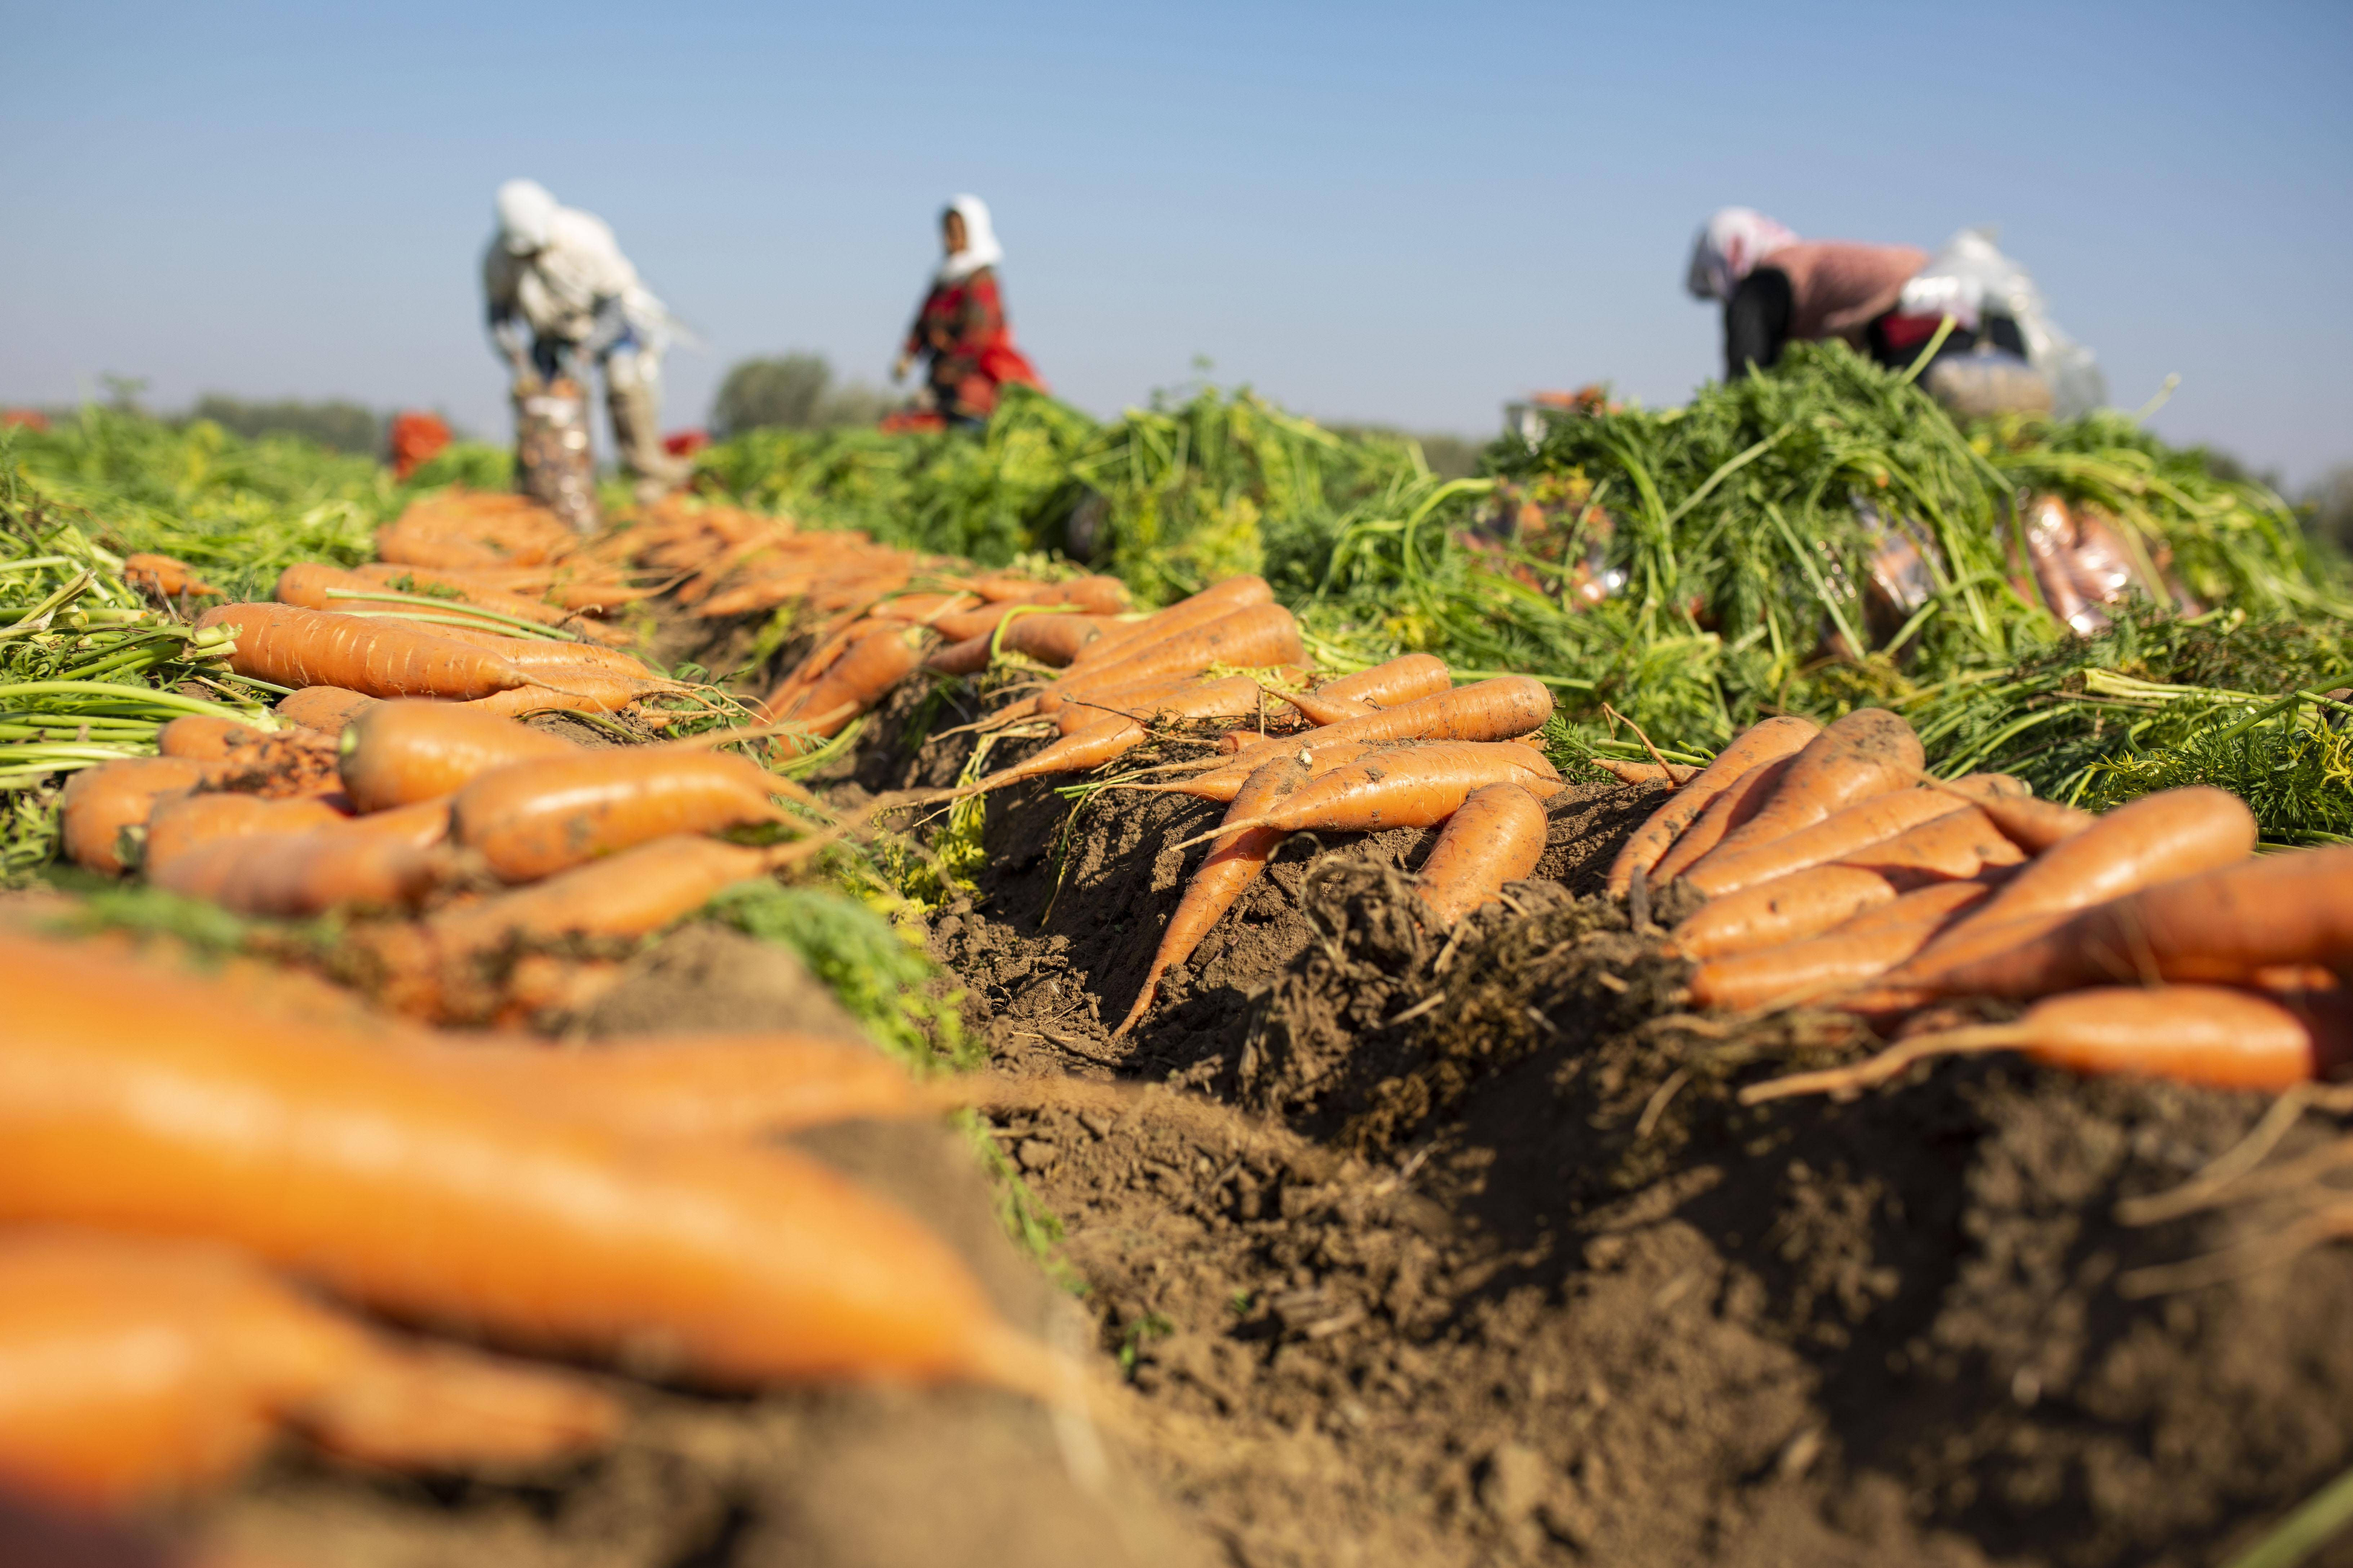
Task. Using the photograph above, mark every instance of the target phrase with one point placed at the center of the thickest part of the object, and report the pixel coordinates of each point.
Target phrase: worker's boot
(632, 398)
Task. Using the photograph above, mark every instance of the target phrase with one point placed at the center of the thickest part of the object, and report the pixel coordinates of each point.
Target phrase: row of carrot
(2151, 939)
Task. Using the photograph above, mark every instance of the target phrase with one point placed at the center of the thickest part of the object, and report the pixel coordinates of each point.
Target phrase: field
(1375, 1236)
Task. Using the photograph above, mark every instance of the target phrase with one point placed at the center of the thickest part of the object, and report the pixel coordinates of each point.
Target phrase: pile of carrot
(211, 1186)
(2151, 939)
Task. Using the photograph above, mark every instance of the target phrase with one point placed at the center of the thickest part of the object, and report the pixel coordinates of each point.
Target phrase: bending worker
(961, 325)
(556, 272)
(2002, 352)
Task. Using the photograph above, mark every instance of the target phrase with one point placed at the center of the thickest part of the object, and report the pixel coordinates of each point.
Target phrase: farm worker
(1776, 287)
(961, 325)
(556, 272)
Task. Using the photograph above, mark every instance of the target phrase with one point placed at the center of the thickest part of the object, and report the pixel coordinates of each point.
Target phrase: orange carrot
(2206, 1035)
(1412, 787)
(1867, 822)
(1868, 751)
(182, 823)
(1054, 639)
(575, 689)
(1858, 948)
(165, 576)
(1234, 862)
(164, 1365)
(533, 818)
(1733, 806)
(1386, 685)
(859, 680)
(1787, 909)
(537, 655)
(291, 646)
(1497, 837)
(1959, 844)
(203, 737)
(1674, 775)
(297, 874)
(1754, 747)
(2033, 825)
(1488, 710)
(1218, 600)
(396, 753)
(1115, 733)
(1250, 638)
(419, 826)
(1317, 756)
(98, 802)
(969, 656)
(625, 895)
(326, 708)
(132, 1100)
(2225, 925)
(430, 582)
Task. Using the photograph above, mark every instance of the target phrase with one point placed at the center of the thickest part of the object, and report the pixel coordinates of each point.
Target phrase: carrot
(1858, 948)
(1497, 837)
(1866, 752)
(1054, 639)
(98, 802)
(1787, 909)
(1234, 861)
(1317, 756)
(165, 576)
(1218, 599)
(539, 653)
(1959, 844)
(1758, 744)
(290, 647)
(1488, 710)
(697, 1086)
(1868, 821)
(134, 1101)
(1732, 806)
(859, 680)
(167, 1364)
(297, 874)
(419, 826)
(1250, 638)
(1116, 733)
(2174, 833)
(1137, 701)
(1412, 787)
(532, 818)
(203, 737)
(323, 708)
(2033, 825)
(2223, 925)
(400, 753)
(577, 689)
(468, 589)
(1674, 775)
(2206, 1035)
(182, 823)
(969, 656)
(1400, 680)
(625, 895)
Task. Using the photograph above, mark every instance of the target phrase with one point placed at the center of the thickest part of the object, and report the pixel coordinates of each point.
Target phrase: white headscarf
(980, 247)
(1728, 249)
(526, 215)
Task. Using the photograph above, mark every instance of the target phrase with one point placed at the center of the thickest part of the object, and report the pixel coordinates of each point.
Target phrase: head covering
(526, 215)
(980, 247)
(1728, 249)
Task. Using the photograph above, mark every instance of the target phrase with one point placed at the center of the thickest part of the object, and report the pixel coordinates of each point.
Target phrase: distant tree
(792, 391)
(2331, 503)
(341, 426)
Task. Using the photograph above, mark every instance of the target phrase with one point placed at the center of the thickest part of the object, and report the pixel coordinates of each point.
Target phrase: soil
(1456, 1248)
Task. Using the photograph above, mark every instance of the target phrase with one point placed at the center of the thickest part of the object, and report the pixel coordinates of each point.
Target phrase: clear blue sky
(1370, 212)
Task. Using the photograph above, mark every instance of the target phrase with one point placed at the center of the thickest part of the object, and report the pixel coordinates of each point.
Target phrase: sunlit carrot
(1055, 639)
(538, 817)
(98, 802)
(1115, 735)
(1787, 909)
(1369, 691)
(1753, 748)
(398, 752)
(1409, 786)
(578, 690)
(1488, 710)
(2207, 1035)
(165, 576)
(1497, 836)
(535, 655)
(1218, 599)
(1250, 639)
(291, 646)
(182, 823)
(859, 680)
(1865, 753)
(1854, 951)
(202, 736)
(1959, 844)
(323, 708)
(1674, 775)
(296, 874)
(128, 1100)
(1867, 822)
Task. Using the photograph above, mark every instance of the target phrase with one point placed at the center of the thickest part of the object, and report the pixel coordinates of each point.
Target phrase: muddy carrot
(1868, 751)
(223, 1354)
(1497, 837)
(533, 818)
(185, 822)
(1234, 861)
(203, 737)
(1218, 599)
(164, 575)
(1412, 787)
(1853, 950)
(1787, 909)
(629, 894)
(856, 682)
(129, 1099)
(396, 753)
(1488, 710)
(1674, 775)
(2207, 1035)
(1733, 806)
(1055, 639)
(2033, 825)
(578, 690)
(1250, 638)
(293, 876)
(969, 656)
(323, 708)
(536, 655)
(290, 647)
(1755, 746)
(1959, 844)
(420, 825)
(1115, 735)
(2225, 925)
(1224, 786)
(1400, 680)
(1866, 822)
(471, 589)
(98, 802)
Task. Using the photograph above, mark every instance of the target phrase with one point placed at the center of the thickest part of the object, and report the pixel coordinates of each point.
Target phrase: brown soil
(1458, 1250)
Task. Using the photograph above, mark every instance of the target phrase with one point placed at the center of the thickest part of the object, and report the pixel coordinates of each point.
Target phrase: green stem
(131, 694)
(2315, 1523)
(449, 607)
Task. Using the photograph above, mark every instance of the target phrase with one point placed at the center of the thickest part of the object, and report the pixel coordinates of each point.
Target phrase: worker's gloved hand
(899, 370)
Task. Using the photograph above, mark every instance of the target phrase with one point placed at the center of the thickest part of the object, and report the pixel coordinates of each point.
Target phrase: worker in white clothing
(557, 273)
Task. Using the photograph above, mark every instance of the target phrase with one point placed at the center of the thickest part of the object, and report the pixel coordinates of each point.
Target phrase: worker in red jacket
(961, 326)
